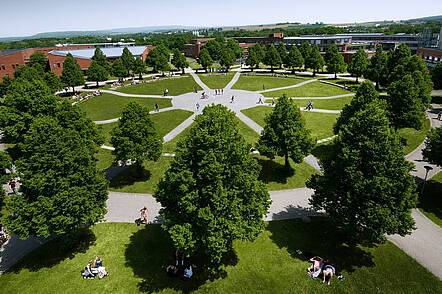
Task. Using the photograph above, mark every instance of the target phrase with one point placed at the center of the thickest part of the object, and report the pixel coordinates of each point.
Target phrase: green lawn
(216, 80)
(412, 138)
(430, 203)
(249, 134)
(320, 124)
(176, 86)
(331, 104)
(314, 89)
(136, 257)
(164, 122)
(256, 82)
(108, 106)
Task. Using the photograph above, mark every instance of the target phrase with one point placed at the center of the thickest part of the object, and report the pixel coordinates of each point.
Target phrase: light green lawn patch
(256, 82)
(216, 80)
(104, 159)
(136, 258)
(430, 203)
(320, 124)
(175, 85)
(108, 106)
(413, 138)
(164, 122)
(330, 104)
(314, 89)
(248, 133)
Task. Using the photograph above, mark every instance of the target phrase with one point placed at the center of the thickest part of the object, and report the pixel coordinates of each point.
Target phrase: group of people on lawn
(94, 269)
(182, 267)
(320, 266)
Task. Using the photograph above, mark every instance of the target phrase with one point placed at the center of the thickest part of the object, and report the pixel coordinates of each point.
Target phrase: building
(11, 59)
(431, 56)
(323, 41)
(84, 56)
(193, 49)
(388, 42)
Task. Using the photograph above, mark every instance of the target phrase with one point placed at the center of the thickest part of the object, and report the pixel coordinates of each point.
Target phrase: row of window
(14, 66)
(433, 58)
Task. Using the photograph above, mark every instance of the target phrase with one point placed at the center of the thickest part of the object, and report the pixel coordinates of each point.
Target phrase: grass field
(136, 257)
(320, 124)
(216, 80)
(108, 106)
(413, 138)
(331, 104)
(314, 89)
(176, 86)
(164, 122)
(430, 203)
(256, 82)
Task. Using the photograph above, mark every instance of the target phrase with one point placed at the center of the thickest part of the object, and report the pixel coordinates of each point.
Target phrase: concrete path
(175, 132)
(199, 82)
(125, 94)
(320, 110)
(233, 80)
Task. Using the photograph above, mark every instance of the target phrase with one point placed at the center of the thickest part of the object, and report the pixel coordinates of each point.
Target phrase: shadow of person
(150, 251)
(318, 238)
(57, 250)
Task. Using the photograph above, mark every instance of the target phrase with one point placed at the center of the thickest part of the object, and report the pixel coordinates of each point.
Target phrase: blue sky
(27, 17)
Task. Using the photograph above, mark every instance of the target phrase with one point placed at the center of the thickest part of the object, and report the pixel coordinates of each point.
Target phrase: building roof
(113, 52)
(10, 51)
(320, 37)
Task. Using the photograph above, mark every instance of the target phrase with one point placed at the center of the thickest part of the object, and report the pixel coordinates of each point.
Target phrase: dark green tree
(211, 195)
(97, 73)
(272, 57)
(139, 68)
(358, 64)
(282, 50)
(433, 147)
(119, 70)
(233, 45)
(214, 48)
(72, 74)
(159, 59)
(100, 58)
(179, 60)
(128, 60)
(204, 59)
(365, 186)
(4, 85)
(406, 109)
(53, 82)
(306, 51)
(334, 60)
(365, 94)
(377, 70)
(436, 75)
(253, 59)
(62, 190)
(294, 59)
(227, 58)
(285, 133)
(135, 138)
(260, 52)
(315, 61)
(39, 59)
(398, 56)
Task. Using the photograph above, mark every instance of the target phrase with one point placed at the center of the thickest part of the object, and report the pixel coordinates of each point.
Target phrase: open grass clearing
(108, 106)
(430, 202)
(263, 82)
(330, 104)
(411, 138)
(216, 80)
(314, 89)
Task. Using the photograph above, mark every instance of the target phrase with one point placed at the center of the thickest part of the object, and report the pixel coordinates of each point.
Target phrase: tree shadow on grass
(431, 200)
(150, 252)
(318, 238)
(128, 176)
(323, 151)
(57, 250)
(272, 171)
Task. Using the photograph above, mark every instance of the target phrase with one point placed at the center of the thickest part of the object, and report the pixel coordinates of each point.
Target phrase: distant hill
(110, 32)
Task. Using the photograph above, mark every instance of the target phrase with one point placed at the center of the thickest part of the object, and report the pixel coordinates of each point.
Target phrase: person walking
(232, 99)
(439, 115)
(197, 106)
(157, 108)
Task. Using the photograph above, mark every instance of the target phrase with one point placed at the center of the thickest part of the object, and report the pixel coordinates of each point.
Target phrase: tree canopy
(39, 59)
(377, 70)
(72, 74)
(253, 59)
(285, 133)
(179, 60)
(211, 195)
(204, 59)
(334, 60)
(135, 137)
(128, 60)
(315, 61)
(233, 45)
(433, 147)
(358, 64)
(159, 59)
(97, 73)
(272, 57)
(139, 67)
(294, 59)
(119, 70)
(366, 187)
(436, 75)
(227, 58)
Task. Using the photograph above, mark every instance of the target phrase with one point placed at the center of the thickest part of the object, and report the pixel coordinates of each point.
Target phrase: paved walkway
(113, 120)
(125, 94)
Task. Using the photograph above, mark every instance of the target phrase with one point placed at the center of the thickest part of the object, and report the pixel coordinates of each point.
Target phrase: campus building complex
(11, 59)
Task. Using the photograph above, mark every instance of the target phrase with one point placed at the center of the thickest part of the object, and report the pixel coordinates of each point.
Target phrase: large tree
(128, 60)
(358, 64)
(204, 59)
(253, 59)
(211, 195)
(377, 70)
(365, 186)
(39, 59)
(406, 109)
(334, 60)
(100, 58)
(227, 58)
(285, 133)
(97, 73)
(306, 51)
(179, 60)
(62, 189)
(119, 70)
(365, 94)
(272, 57)
(433, 147)
(214, 48)
(233, 45)
(315, 61)
(72, 74)
(135, 137)
(294, 59)
(282, 50)
(436, 75)
(139, 67)
(159, 59)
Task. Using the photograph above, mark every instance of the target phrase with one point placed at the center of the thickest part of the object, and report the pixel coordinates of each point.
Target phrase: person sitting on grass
(328, 272)
(315, 268)
(87, 272)
(188, 273)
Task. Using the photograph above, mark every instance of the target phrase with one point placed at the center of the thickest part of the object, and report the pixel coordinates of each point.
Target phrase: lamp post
(427, 169)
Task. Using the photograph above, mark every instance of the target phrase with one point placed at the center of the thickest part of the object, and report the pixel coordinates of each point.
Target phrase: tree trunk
(314, 73)
(97, 84)
(271, 68)
(336, 75)
(73, 89)
(357, 79)
(140, 77)
(286, 161)
(377, 85)
(183, 71)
